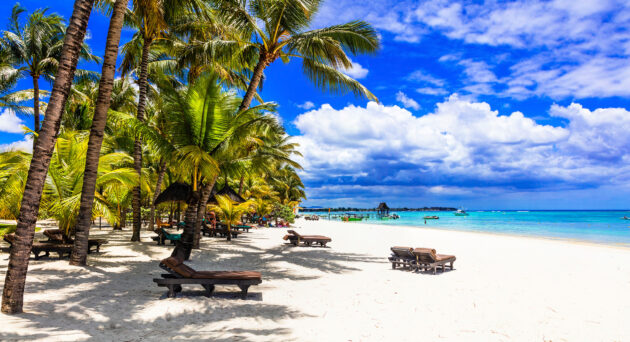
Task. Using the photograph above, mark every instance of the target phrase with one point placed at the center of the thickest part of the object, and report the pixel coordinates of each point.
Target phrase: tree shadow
(115, 296)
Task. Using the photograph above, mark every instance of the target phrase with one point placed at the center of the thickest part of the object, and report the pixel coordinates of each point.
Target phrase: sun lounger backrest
(178, 267)
(402, 252)
(56, 235)
(425, 254)
(290, 231)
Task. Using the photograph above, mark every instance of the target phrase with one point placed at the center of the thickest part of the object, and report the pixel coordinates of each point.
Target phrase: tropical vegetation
(107, 149)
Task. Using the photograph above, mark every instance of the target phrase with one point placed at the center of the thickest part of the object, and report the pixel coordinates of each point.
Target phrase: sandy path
(502, 289)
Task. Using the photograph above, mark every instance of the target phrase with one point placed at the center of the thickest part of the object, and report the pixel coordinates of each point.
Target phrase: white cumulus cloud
(407, 101)
(306, 105)
(463, 144)
(10, 123)
(25, 145)
(356, 71)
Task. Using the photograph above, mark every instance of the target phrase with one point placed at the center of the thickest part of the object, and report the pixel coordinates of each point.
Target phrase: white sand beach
(503, 288)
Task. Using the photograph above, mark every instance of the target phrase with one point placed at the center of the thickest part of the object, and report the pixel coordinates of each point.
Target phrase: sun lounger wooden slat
(180, 274)
(307, 240)
(429, 259)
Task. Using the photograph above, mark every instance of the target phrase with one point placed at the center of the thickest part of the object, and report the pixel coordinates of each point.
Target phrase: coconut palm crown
(272, 29)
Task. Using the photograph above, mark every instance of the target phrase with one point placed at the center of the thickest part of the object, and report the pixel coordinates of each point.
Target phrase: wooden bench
(43, 247)
(57, 236)
(181, 274)
(308, 240)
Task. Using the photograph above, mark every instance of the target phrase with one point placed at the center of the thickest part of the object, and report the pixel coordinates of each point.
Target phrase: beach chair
(223, 232)
(180, 274)
(57, 236)
(163, 235)
(428, 259)
(307, 240)
(207, 230)
(43, 247)
(160, 224)
(402, 256)
(242, 227)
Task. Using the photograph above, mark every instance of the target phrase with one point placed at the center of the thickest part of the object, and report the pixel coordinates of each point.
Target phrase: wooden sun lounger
(242, 227)
(43, 247)
(429, 259)
(308, 240)
(163, 235)
(223, 232)
(180, 274)
(402, 256)
(56, 236)
(205, 230)
(160, 224)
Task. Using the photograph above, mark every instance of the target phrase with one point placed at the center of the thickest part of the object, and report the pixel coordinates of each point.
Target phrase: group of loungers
(57, 242)
(420, 259)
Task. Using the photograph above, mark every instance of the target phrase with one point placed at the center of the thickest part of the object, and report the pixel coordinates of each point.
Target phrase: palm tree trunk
(123, 218)
(137, 146)
(229, 234)
(184, 246)
(35, 105)
(240, 185)
(13, 293)
(82, 229)
(158, 188)
(201, 211)
(253, 84)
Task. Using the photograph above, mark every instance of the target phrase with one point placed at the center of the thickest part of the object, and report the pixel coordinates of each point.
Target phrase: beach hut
(175, 192)
(382, 209)
(227, 190)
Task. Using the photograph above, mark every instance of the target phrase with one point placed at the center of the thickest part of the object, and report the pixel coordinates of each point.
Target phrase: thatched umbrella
(175, 192)
(227, 190)
(383, 209)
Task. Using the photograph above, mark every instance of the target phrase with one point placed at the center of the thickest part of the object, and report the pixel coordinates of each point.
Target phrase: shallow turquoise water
(591, 226)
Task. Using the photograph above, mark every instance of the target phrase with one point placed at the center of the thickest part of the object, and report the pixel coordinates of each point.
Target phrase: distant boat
(431, 217)
(460, 212)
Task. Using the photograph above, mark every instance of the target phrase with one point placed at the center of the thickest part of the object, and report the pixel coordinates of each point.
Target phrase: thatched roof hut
(175, 192)
(382, 209)
(227, 190)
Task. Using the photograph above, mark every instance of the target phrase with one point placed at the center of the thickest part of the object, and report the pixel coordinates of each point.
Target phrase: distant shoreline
(374, 209)
(449, 209)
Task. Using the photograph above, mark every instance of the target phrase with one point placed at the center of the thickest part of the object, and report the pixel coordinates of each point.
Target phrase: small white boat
(460, 212)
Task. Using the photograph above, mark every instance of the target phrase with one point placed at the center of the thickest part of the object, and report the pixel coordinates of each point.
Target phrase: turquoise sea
(590, 226)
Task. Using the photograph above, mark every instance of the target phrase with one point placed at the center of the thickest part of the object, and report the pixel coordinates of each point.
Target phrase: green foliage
(10, 228)
(285, 212)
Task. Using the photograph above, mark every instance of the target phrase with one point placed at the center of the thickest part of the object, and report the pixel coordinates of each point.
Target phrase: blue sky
(483, 104)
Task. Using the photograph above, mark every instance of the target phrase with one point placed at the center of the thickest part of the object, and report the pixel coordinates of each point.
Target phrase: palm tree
(204, 130)
(99, 120)
(277, 29)
(62, 192)
(9, 76)
(152, 18)
(13, 293)
(35, 48)
(230, 213)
